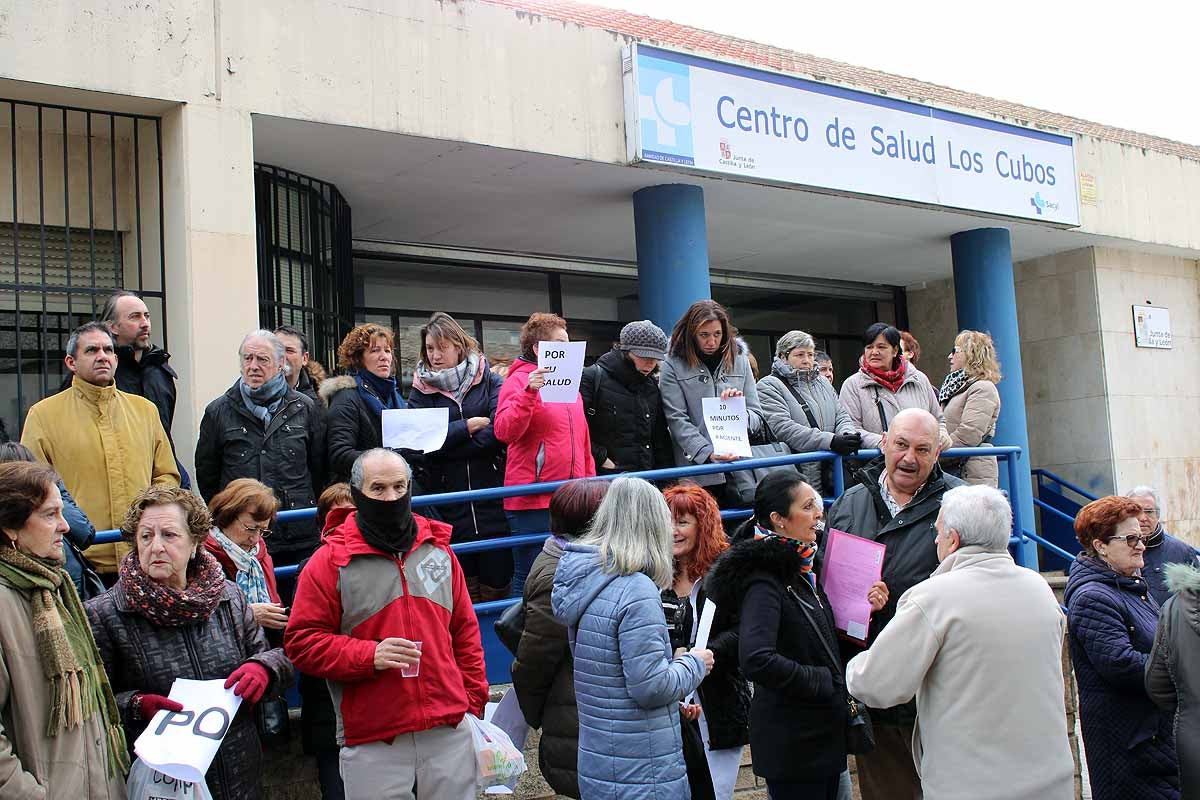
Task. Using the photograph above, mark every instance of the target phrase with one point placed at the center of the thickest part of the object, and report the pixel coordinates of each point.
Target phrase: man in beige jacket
(980, 646)
(106, 445)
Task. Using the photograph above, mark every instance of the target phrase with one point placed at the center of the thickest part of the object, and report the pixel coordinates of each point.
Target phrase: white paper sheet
(182, 744)
(422, 429)
(563, 362)
(728, 425)
(506, 715)
(705, 626)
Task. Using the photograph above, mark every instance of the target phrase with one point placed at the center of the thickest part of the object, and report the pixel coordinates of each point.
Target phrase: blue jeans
(520, 523)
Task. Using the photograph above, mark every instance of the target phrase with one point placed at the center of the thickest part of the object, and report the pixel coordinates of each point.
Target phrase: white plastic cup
(414, 670)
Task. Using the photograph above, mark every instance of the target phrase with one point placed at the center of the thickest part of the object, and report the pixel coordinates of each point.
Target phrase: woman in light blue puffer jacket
(627, 685)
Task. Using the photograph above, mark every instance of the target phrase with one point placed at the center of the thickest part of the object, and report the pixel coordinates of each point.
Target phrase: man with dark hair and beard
(382, 613)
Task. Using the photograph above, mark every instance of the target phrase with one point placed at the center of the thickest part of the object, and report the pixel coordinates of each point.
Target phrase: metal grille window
(81, 215)
(305, 265)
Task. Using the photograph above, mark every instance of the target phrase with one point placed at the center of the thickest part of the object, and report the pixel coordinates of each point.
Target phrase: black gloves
(846, 443)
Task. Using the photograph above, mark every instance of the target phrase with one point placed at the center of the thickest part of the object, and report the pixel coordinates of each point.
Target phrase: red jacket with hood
(546, 441)
(351, 596)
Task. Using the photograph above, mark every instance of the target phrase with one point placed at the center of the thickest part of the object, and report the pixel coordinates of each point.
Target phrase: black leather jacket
(288, 455)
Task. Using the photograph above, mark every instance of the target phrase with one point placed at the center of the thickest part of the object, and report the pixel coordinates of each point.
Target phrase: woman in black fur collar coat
(787, 644)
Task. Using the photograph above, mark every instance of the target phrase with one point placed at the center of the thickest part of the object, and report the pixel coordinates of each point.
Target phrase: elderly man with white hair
(262, 429)
(979, 645)
(1161, 547)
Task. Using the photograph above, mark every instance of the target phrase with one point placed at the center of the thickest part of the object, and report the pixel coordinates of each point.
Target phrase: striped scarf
(79, 685)
(807, 551)
(250, 577)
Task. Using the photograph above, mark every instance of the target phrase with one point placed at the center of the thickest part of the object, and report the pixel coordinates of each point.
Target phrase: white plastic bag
(146, 783)
(498, 763)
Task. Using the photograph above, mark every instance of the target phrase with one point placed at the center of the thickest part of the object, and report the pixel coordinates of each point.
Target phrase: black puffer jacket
(288, 455)
(788, 648)
(141, 657)
(466, 461)
(725, 692)
(543, 677)
(625, 416)
(351, 427)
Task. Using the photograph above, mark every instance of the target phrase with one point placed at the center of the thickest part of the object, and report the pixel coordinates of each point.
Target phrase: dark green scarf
(78, 683)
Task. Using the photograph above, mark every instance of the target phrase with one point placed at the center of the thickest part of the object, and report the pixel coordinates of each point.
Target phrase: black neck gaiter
(386, 525)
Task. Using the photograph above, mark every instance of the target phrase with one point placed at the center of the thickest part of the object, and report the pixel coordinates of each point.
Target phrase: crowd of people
(958, 680)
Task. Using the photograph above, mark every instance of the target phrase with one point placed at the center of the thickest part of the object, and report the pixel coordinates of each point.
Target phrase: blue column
(986, 301)
(672, 251)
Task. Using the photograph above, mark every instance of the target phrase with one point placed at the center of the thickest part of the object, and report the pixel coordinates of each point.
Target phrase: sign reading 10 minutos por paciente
(712, 116)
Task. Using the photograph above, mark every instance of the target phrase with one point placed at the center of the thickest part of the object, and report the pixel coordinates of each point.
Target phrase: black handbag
(271, 719)
(510, 626)
(860, 733)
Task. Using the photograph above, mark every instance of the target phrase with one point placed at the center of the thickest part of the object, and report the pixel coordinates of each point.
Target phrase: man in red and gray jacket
(382, 614)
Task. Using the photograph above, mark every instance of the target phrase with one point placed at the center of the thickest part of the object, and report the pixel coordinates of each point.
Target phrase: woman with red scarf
(886, 384)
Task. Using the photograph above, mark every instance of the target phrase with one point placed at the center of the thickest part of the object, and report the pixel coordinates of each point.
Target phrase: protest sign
(851, 565)
(727, 425)
(563, 362)
(182, 744)
(421, 429)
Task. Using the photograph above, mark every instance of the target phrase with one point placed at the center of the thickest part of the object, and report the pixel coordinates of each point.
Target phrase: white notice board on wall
(1152, 327)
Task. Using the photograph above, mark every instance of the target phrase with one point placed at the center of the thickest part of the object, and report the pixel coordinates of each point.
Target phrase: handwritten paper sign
(422, 429)
(727, 425)
(563, 362)
(182, 744)
(851, 565)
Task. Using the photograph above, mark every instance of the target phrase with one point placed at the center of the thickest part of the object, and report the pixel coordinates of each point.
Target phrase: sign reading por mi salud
(724, 118)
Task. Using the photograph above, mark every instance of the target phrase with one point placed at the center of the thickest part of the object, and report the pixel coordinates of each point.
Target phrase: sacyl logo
(1040, 204)
(667, 112)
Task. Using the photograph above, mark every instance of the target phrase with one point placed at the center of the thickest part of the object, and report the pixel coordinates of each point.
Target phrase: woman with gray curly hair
(803, 410)
(173, 615)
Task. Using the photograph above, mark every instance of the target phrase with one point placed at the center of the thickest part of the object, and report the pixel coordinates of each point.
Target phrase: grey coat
(860, 391)
(788, 422)
(627, 686)
(683, 390)
(1173, 670)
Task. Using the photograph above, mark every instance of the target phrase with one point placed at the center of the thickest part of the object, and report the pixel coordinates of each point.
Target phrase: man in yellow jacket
(106, 445)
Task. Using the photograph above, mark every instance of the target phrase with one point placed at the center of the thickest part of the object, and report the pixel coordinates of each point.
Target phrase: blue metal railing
(1041, 476)
(498, 657)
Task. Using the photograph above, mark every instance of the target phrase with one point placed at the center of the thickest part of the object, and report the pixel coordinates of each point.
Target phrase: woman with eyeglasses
(1111, 619)
(243, 513)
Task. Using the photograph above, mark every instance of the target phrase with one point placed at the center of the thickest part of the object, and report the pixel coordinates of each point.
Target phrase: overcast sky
(1133, 65)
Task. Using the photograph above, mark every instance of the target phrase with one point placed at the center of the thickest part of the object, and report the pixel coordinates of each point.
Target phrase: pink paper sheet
(849, 568)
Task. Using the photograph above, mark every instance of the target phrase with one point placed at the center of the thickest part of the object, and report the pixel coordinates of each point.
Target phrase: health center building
(323, 162)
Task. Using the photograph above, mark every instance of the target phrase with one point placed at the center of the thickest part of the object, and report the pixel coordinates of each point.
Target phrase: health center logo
(664, 110)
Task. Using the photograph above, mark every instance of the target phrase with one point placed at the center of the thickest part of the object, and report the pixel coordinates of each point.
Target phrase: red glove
(251, 679)
(147, 705)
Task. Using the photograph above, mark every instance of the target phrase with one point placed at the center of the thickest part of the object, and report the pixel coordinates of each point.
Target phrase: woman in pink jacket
(546, 441)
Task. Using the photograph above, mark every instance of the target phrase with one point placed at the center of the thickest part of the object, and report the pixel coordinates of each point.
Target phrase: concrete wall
(1153, 395)
(1062, 357)
(933, 319)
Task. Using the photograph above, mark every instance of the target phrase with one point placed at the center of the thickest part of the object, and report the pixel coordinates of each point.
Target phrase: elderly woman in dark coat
(173, 615)
(1111, 620)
